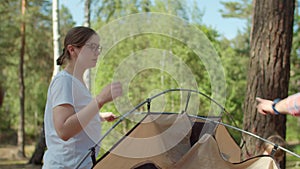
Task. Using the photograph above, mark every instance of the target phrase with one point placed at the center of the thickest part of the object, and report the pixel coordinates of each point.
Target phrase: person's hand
(264, 106)
(107, 116)
(109, 93)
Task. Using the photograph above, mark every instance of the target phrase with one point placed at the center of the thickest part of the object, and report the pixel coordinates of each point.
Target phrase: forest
(261, 61)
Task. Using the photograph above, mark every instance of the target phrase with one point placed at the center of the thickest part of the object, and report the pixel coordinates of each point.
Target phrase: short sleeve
(61, 91)
(293, 104)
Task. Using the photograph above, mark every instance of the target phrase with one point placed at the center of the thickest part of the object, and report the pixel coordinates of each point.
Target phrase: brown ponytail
(61, 58)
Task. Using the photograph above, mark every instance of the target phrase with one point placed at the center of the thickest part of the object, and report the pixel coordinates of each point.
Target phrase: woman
(268, 149)
(72, 121)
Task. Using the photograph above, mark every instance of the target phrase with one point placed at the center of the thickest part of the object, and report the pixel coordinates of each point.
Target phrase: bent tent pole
(91, 151)
(251, 134)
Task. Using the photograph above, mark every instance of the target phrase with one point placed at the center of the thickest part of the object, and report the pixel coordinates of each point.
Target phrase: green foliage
(146, 83)
(8, 52)
(235, 65)
(113, 9)
(292, 133)
(237, 9)
(292, 122)
(147, 80)
(237, 53)
(295, 56)
(38, 61)
(234, 56)
(66, 22)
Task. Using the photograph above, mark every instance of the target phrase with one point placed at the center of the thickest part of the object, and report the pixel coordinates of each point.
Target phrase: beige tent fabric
(233, 152)
(162, 141)
(206, 155)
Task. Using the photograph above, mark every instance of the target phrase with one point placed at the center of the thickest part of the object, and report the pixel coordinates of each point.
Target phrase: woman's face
(89, 53)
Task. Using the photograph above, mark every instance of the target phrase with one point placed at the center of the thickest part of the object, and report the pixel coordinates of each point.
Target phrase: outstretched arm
(289, 105)
(264, 106)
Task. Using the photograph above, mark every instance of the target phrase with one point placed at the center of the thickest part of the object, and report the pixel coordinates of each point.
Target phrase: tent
(182, 140)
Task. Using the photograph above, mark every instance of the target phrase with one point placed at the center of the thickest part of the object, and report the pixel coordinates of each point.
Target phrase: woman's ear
(71, 50)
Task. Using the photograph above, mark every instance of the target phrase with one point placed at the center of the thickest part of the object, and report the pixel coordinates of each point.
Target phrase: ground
(9, 158)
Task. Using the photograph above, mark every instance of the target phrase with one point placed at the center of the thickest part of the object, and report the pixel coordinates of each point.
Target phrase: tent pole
(108, 131)
(251, 134)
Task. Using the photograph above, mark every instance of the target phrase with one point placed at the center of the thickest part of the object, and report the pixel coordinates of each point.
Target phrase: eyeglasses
(94, 47)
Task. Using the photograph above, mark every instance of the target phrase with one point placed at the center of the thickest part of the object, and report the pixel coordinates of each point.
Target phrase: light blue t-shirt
(66, 89)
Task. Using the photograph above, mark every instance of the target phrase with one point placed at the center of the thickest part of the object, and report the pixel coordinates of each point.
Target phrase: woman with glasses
(72, 119)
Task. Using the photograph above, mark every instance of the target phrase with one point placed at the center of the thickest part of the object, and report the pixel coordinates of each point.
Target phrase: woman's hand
(108, 116)
(109, 93)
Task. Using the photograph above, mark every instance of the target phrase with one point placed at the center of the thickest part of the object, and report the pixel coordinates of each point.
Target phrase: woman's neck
(77, 73)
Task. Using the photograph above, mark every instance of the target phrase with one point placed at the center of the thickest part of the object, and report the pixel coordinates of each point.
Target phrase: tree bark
(56, 35)
(269, 66)
(87, 15)
(21, 130)
(2, 93)
(37, 156)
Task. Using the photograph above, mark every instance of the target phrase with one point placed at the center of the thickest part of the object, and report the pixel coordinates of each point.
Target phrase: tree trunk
(271, 42)
(87, 14)
(2, 93)
(56, 35)
(38, 154)
(21, 130)
(39, 151)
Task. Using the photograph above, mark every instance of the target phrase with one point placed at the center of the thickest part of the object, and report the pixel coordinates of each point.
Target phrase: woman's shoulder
(61, 77)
